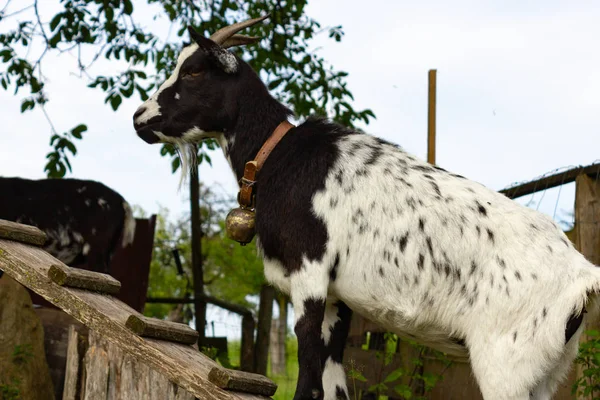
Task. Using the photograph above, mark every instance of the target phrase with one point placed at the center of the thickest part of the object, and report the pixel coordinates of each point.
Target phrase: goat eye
(191, 75)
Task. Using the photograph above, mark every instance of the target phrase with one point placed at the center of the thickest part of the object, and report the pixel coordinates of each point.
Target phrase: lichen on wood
(21, 233)
(82, 279)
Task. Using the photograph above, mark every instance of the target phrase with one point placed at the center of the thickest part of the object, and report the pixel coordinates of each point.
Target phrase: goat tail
(128, 225)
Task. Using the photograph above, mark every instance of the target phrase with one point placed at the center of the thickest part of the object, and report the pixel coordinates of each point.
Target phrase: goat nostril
(139, 112)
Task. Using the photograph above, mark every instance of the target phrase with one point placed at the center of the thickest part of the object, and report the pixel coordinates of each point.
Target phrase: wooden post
(587, 220)
(265, 315)
(197, 266)
(587, 217)
(587, 229)
(431, 116)
(247, 346)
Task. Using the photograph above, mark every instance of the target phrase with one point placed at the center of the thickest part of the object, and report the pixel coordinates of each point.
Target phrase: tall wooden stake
(197, 266)
(431, 116)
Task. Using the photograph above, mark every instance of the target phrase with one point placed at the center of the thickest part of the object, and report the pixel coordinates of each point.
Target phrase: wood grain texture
(21, 233)
(72, 367)
(159, 329)
(242, 381)
(181, 364)
(83, 279)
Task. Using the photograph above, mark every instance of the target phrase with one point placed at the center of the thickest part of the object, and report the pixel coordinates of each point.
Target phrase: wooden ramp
(181, 363)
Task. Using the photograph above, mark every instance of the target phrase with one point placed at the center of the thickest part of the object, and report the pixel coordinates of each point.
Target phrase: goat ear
(225, 60)
(220, 57)
(194, 34)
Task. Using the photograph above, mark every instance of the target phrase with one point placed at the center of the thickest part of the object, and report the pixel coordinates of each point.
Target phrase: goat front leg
(308, 292)
(336, 325)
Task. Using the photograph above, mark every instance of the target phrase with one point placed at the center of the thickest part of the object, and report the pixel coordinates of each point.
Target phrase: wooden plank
(181, 364)
(159, 329)
(21, 233)
(72, 367)
(83, 279)
(96, 373)
(550, 181)
(242, 381)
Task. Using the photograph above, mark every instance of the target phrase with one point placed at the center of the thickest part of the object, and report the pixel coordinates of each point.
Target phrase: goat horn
(220, 36)
(239, 40)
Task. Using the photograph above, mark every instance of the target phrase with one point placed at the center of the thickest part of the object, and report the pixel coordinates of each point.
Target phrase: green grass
(286, 384)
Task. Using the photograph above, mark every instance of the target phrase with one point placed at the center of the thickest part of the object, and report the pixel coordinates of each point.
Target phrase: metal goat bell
(239, 225)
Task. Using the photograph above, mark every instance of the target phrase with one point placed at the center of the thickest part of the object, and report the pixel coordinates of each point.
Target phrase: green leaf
(27, 104)
(6, 55)
(275, 83)
(394, 375)
(53, 42)
(115, 101)
(109, 12)
(69, 145)
(175, 164)
(78, 130)
(403, 391)
(55, 21)
(127, 7)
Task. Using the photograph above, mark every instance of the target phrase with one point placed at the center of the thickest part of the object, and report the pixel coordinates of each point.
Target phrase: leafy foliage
(403, 380)
(588, 385)
(114, 30)
(232, 272)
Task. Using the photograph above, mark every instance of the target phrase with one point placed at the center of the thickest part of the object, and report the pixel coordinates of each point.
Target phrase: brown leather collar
(245, 197)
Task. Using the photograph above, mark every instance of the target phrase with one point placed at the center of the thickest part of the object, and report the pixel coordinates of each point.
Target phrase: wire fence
(539, 192)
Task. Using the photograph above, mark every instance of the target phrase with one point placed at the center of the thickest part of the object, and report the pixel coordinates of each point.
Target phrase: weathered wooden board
(181, 364)
(159, 329)
(127, 378)
(242, 381)
(83, 279)
(21, 233)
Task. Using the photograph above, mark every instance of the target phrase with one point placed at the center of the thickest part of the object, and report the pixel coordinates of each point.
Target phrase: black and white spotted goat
(84, 220)
(347, 221)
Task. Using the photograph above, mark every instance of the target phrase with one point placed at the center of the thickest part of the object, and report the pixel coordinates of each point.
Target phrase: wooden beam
(431, 114)
(183, 364)
(80, 278)
(21, 233)
(550, 181)
(234, 308)
(242, 381)
(159, 329)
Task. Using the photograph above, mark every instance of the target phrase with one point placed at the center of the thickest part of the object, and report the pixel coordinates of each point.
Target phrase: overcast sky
(518, 85)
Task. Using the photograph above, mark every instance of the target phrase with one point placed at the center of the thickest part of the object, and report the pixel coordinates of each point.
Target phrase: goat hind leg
(548, 386)
(336, 325)
(308, 291)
